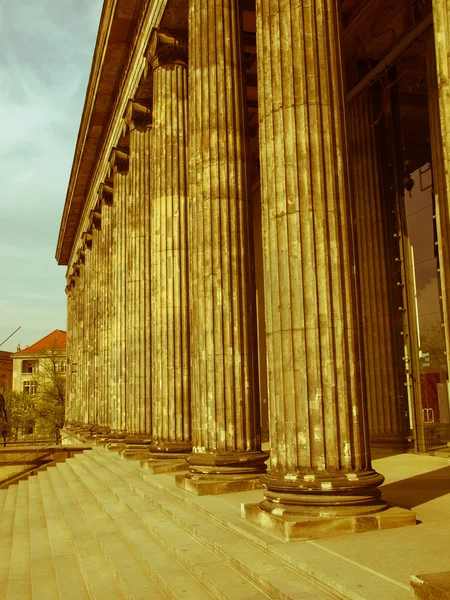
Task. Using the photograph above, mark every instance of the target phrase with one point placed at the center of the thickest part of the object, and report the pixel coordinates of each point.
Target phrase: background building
(6, 371)
(39, 361)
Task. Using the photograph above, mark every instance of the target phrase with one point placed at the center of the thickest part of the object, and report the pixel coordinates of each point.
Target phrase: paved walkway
(379, 564)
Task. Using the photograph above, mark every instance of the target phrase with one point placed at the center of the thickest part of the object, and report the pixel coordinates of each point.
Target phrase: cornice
(117, 24)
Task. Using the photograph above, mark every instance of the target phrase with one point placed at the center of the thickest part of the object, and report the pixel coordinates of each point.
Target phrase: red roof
(56, 340)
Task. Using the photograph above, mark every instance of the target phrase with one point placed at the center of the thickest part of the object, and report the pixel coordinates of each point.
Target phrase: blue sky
(46, 49)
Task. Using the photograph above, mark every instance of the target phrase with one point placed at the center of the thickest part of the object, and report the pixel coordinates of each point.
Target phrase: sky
(46, 49)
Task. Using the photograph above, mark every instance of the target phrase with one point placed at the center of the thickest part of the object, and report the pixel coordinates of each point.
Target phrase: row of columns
(181, 368)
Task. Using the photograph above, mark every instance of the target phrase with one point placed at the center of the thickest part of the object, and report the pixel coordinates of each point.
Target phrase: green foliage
(49, 407)
(43, 410)
(16, 415)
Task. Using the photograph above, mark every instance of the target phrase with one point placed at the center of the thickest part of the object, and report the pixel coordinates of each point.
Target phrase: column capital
(137, 115)
(105, 194)
(167, 48)
(95, 219)
(119, 160)
(86, 237)
(81, 256)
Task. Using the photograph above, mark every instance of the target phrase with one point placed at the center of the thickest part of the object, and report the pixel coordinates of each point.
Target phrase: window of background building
(30, 366)
(29, 387)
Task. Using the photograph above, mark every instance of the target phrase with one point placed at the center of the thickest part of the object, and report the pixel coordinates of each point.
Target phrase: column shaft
(170, 303)
(379, 292)
(120, 419)
(224, 390)
(138, 281)
(318, 422)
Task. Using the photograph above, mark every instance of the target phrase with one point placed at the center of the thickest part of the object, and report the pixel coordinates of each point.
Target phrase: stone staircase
(95, 527)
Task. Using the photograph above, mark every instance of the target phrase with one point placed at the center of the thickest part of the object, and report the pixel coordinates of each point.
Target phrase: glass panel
(431, 342)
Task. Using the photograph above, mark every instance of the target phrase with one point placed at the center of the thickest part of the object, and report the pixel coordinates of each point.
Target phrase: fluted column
(70, 354)
(119, 166)
(78, 328)
(379, 292)
(320, 460)
(101, 274)
(169, 259)
(138, 332)
(224, 389)
(106, 199)
(95, 222)
(87, 341)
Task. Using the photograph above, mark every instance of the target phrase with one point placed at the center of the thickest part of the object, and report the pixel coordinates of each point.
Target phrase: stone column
(119, 168)
(74, 300)
(77, 328)
(138, 368)
(106, 199)
(224, 390)
(95, 225)
(87, 340)
(101, 273)
(320, 478)
(169, 260)
(380, 298)
(82, 322)
(70, 354)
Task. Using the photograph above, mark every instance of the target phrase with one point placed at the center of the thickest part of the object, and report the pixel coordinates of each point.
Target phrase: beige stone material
(171, 430)
(119, 166)
(431, 586)
(106, 200)
(298, 528)
(223, 355)
(377, 281)
(318, 422)
(138, 326)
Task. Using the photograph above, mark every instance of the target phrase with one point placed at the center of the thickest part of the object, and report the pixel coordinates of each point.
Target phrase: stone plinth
(435, 586)
(208, 485)
(291, 528)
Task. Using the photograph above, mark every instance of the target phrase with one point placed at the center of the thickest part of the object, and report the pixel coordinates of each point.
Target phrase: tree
(49, 403)
(16, 414)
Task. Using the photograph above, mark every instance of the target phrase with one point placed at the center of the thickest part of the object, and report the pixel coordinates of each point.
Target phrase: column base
(211, 485)
(116, 441)
(136, 447)
(167, 457)
(291, 528)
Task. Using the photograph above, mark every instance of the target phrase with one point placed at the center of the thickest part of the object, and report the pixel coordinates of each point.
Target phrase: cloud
(46, 48)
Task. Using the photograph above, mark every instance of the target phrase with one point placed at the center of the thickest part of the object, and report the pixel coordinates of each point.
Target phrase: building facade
(6, 371)
(39, 362)
(256, 235)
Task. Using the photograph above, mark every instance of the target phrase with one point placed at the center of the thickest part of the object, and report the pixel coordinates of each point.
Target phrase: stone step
(215, 541)
(171, 576)
(71, 582)
(43, 575)
(6, 534)
(19, 577)
(3, 494)
(219, 579)
(94, 564)
(310, 560)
